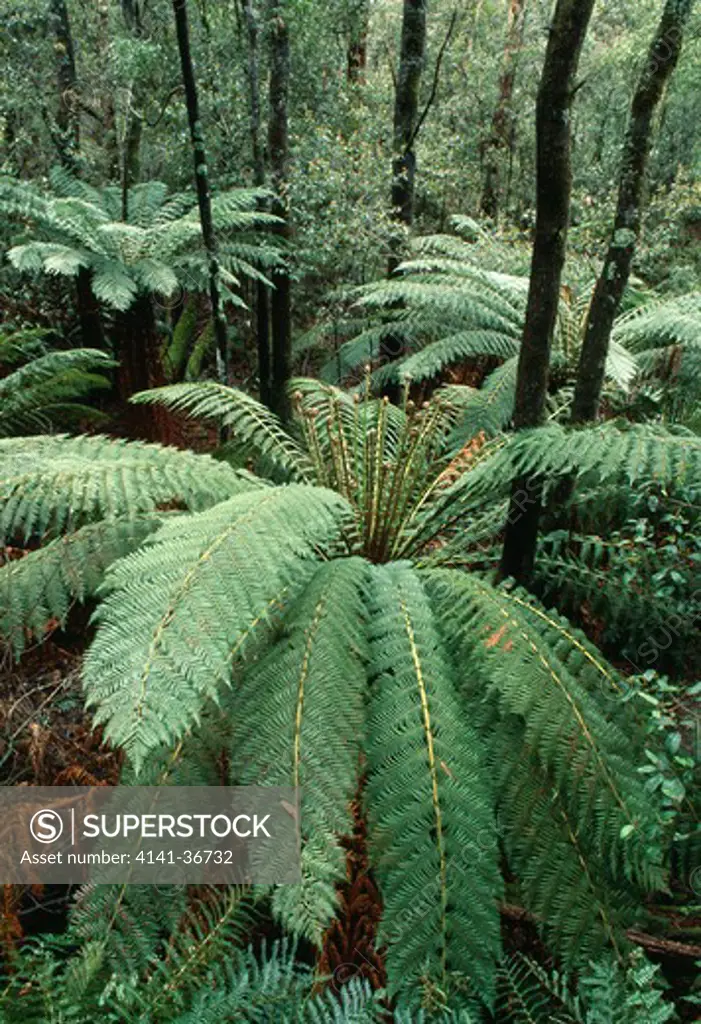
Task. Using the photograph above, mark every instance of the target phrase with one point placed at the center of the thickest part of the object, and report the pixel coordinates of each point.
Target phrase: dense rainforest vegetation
(350, 368)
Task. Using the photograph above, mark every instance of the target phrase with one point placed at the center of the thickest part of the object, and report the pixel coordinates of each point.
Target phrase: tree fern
(79, 227)
(327, 615)
(446, 309)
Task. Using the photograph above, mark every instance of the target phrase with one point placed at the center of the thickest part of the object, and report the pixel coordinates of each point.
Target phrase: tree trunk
(67, 121)
(661, 61)
(406, 112)
(133, 131)
(503, 125)
(68, 143)
(202, 184)
(553, 188)
(140, 368)
(278, 144)
(357, 54)
(91, 329)
(257, 152)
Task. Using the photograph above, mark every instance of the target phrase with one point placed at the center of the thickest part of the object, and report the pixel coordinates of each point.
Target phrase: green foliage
(157, 250)
(43, 391)
(279, 612)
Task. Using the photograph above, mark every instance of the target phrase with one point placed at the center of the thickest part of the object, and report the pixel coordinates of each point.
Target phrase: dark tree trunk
(91, 329)
(501, 137)
(202, 184)
(357, 54)
(140, 368)
(278, 144)
(406, 112)
(553, 186)
(68, 143)
(131, 156)
(67, 120)
(258, 154)
(661, 62)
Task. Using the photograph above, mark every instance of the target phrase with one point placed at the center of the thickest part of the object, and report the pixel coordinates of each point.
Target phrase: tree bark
(357, 54)
(503, 124)
(553, 188)
(406, 111)
(258, 154)
(68, 144)
(204, 199)
(132, 12)
(278, 144)
(67, 120)
(662, 59)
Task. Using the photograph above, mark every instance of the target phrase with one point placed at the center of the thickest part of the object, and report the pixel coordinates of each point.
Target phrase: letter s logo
(46, 826)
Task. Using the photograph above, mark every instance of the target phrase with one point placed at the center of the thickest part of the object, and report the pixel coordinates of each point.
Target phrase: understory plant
(312, 605)
(459, 303)
(40, 386)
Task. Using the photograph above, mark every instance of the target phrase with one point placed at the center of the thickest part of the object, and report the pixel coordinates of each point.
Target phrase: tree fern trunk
(502, 129)
(278, 143)
(661, 61)
(261, 300)
(91, 329)
(204, 200)
(554, 183)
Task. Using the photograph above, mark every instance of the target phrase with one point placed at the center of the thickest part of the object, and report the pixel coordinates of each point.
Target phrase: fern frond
(60, 483)
(427, 800)
(609, 453)
(255, 428)
(30, 396)
(531, 995)
(178, 613)
(43, 585)
(540, 669)
(625, 996)
(300, 722)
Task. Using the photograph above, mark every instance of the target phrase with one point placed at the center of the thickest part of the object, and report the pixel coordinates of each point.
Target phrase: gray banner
(148, 834)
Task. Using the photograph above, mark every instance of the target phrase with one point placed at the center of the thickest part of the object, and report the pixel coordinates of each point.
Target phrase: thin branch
(436, 79)
(392, 71)
(164, 106)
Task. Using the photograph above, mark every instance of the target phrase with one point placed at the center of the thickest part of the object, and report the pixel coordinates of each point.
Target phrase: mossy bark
(553, 188)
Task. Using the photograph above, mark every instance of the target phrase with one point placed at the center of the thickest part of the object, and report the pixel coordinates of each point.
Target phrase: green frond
(300, 722)
(43, 585)
(177, 614)
(30, 396)
(659, 324)
(629, 995)
(528, 994)
(113, 285)
(18, 346)
(455, 348)
(50, 257)
(254, 428)
(537, 667)
(428, 799)
(609, 452)
(60, 483)
(490, 408)
(581, 908)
